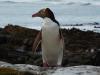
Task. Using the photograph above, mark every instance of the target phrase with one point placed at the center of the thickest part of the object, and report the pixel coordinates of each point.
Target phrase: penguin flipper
(61, 38)
(37, 42)
(60, 58)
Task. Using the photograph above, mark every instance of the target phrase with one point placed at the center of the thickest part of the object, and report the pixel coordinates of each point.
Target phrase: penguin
(51, 39)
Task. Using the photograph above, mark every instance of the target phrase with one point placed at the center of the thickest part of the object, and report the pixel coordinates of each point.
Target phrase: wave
(51, 0)
(14, 1)
(70, 3)
(43, 1)
(79, 3)
(86, 4)
(7, 2)
(67, 2)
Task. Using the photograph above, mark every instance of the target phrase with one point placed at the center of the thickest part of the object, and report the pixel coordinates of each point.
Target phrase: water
(66, 11)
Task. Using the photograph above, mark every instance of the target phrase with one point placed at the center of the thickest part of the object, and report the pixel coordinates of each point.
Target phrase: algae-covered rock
(81, 47)
(9, 71)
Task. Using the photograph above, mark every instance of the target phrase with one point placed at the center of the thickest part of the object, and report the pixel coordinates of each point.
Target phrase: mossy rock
(9, 71)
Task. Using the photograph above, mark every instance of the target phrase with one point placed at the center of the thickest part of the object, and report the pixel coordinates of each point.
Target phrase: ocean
(66, 12)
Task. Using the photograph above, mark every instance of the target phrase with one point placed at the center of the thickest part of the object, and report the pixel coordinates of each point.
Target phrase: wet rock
(26, 69)
(3, 39)
(81, 47)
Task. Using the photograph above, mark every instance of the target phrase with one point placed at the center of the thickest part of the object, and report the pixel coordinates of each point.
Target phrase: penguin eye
(44, 10)
(41, 12)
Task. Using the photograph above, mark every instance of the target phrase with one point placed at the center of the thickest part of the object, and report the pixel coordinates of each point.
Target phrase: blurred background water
(19, 12)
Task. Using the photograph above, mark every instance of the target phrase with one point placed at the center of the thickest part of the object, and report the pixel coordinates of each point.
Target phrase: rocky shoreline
(26, 69)
(81, 47)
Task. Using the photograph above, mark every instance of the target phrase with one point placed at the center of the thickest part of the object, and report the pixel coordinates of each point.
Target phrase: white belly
(51, 46)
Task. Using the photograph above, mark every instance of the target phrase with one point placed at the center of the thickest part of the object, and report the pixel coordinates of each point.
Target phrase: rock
(78, 70)
(77, 43)
(3, 39)
(15, 43)
(25, 69)
(81, 47)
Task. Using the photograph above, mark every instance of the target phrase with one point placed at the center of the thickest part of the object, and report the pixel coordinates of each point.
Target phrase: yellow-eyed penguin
(51, 39)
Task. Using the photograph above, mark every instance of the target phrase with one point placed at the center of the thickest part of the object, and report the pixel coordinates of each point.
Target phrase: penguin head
(43, 13)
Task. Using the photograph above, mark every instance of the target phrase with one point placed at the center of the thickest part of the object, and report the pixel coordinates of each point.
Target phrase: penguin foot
(45, 65)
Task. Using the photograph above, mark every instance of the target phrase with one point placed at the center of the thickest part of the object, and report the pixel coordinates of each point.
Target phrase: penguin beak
(35, 15)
